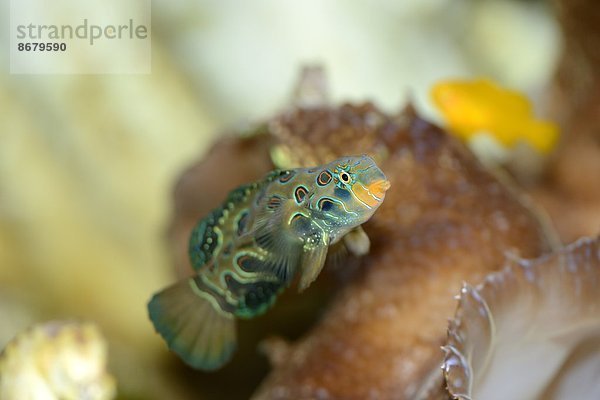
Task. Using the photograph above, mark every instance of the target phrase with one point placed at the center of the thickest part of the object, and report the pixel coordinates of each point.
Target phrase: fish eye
(344, 177)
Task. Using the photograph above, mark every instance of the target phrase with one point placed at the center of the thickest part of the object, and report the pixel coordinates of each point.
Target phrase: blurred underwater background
(89, 164)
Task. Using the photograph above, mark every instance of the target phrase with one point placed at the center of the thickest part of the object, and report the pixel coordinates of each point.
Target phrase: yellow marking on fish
(378, 189)
(370, 195)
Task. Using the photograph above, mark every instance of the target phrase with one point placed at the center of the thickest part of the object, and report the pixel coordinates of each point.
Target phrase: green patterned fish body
(249, 249)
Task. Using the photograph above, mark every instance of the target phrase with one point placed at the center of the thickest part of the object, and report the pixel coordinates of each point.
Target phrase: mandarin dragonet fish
(248, 250)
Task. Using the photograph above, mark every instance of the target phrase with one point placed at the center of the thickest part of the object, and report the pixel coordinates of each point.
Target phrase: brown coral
(445, 220)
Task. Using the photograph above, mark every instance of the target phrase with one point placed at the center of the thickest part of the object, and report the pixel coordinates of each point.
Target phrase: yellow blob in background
(471, 107)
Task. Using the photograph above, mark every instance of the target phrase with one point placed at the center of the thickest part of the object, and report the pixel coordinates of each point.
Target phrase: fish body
(471, 107)
(248, 250)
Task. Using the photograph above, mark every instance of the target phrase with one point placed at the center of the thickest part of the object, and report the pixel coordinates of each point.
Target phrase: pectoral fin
(272, 231)
(357, 242)
(313, 258)
(337, 254)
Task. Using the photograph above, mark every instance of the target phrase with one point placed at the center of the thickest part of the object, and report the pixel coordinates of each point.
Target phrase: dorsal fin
(206, 239)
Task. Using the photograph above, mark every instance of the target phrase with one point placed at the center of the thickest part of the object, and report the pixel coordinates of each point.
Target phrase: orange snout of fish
(373, 193)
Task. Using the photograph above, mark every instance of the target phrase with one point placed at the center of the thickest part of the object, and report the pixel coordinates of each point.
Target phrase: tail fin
(193, 325)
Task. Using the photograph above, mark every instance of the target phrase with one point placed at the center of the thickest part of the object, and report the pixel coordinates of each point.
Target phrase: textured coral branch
(516, 335)
(445, 220)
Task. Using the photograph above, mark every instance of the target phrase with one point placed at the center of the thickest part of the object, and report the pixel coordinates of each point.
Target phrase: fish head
(349, 190)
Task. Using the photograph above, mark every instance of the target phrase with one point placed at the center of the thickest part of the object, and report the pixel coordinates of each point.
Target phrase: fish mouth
(379, 187)
(372, 194)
